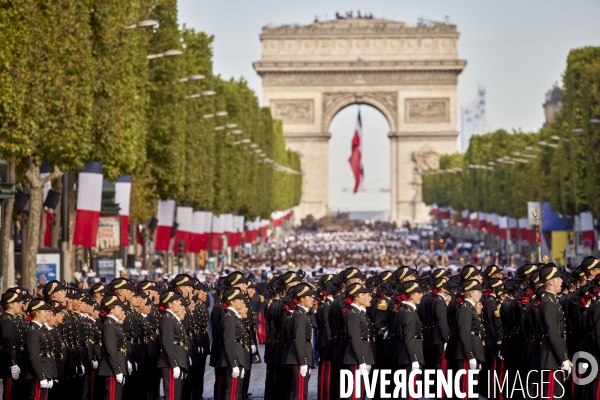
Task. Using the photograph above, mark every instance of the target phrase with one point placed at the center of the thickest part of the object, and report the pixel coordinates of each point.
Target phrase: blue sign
(48, 267)
(106, 268)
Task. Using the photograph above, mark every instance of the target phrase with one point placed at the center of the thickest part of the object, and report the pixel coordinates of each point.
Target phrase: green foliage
(567, 176)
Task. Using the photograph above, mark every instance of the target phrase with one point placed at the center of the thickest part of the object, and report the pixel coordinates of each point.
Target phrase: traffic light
(181, 248)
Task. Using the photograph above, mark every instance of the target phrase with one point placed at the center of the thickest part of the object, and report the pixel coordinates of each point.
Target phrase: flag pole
(538, 236)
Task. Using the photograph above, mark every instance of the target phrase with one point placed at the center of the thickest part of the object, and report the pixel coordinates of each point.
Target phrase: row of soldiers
(480, 319)
(115, 341)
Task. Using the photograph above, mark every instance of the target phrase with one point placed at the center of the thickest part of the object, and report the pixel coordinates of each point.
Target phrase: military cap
(251, 285)
(495, 283)
(350, 273)
(384, 277)
(408, 288)
(324, 279)
(469, 272)
(98, 288)
(469, 285)
(535, 277)
(526, 269)
(88, 300)
(550, 271)
(74, 293)
(181, 280)
(56, 306)
(354, 289)
(169, 296)
(52, 287)
(220, 285)
(11, 297)
(372, 282)
(38, 305)
(491, 270)
(439, 273)
(439, 283)
(290, 277)
(233, 294)
(110, 301)
(235, 278)
(148, 285)
(403, 273)
(589, 263)
(120, 283)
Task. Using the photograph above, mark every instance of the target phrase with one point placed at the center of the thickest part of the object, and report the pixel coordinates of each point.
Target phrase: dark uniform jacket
(553, 350)
(13, 345)
(114, 352)
(40, 364)
(300, 352)
(323, 330)
(440, 332)
(173, 342)
(468, 329)
(411, 331)
(217, 344)
(235, 350)
(358, 348)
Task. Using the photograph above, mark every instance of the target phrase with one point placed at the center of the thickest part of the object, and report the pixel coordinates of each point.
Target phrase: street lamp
(231, 126)
(195, 77)
(219, 128)
(544, 143)
(253, 145)
(168, 53)
(221, 113)
(595, 120)
(235, 132)
(142, 24)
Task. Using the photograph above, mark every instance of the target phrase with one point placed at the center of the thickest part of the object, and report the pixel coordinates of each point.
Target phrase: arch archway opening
(373, 201)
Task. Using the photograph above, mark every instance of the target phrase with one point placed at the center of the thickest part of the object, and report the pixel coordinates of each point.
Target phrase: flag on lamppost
(164, 228)
(122, 198)
(355, 159)
(89, 201)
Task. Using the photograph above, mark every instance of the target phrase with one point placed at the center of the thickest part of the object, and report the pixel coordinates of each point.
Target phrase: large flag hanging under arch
(355, 159)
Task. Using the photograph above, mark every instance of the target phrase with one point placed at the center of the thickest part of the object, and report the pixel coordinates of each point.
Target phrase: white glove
(119, 378)
(363, 367)
(415, 365)
(176, 372)
(385, 335)
(242, 372)
(254, 350)
(303, 370)
(94, 364)
(566, 366)
(129, 367)
(82, 370)
(15, 371)
(445, 344)
(123, 381)
(44, 384)
(479, 367)
(190, 360)
(235, 372)
(472, 363)
(369, 367)
(50, 384)
(136, 367)
(200, 350)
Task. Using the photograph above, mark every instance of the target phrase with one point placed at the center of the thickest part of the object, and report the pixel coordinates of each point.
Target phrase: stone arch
(386, 103)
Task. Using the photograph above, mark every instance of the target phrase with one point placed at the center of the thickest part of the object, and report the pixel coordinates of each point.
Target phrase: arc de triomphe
(409, 73)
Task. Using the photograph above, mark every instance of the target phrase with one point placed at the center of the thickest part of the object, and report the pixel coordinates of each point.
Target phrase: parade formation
(146, 339)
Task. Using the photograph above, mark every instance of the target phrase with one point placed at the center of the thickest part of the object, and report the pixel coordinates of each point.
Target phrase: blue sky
(516, 49)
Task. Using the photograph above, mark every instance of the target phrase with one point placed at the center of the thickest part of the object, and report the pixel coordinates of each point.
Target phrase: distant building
(472, 121)
(553, 104)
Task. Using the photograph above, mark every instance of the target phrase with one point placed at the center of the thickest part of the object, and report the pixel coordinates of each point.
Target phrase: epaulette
(497, 312)
(382, 305)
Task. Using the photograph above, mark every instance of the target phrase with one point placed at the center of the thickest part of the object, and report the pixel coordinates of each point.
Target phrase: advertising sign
(106, 268)
(48, 266)
(108, 240)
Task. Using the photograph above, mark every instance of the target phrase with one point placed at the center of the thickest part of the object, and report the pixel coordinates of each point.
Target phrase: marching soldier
(39, 368)
(493, 336)
(173, 360)
(553, 349)
(12, 358)
(299, 358)
(235, 350)
(324, 336)
(440, 332)
(113, 362)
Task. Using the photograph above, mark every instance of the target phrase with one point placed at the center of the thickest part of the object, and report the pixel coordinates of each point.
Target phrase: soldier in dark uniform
(58, 353)
(468, 330)
(152, 376)
(235, 348)
(410, 356)
(39, 368)
(173, 361)
(113, 362)
(271, 347)
(299, 358)
(493, 339)
(202, 338)
(12, 356)
(324, 336)
(97, 292)
(215, 351)
(553, 349)
(440, 332)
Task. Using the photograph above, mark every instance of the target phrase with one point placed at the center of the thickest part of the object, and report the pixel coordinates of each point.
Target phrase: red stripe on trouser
(111, 388)
(300, 384)
(500, 394)
(354, 390)
(8, 389)
(598, 391)
(573, 384)
(415, 386)
(466, 380)
(234, 383)
(37, 390)
(171, 385)
(551, 386)
(92, 381)
(218, 397)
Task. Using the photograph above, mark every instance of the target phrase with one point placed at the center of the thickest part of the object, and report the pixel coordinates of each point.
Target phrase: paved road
(257, 383)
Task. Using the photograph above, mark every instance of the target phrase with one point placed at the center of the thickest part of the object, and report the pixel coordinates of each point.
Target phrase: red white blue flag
(164, 228)
(89, 200)
(355, 159)
(122, 197)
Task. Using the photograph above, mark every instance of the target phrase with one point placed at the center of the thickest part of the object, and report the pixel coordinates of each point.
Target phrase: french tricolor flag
(216, 232)
(122, 197)
(164, 228)
(195, 243)
(89, 200)
(587, 229)
(184, 226)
